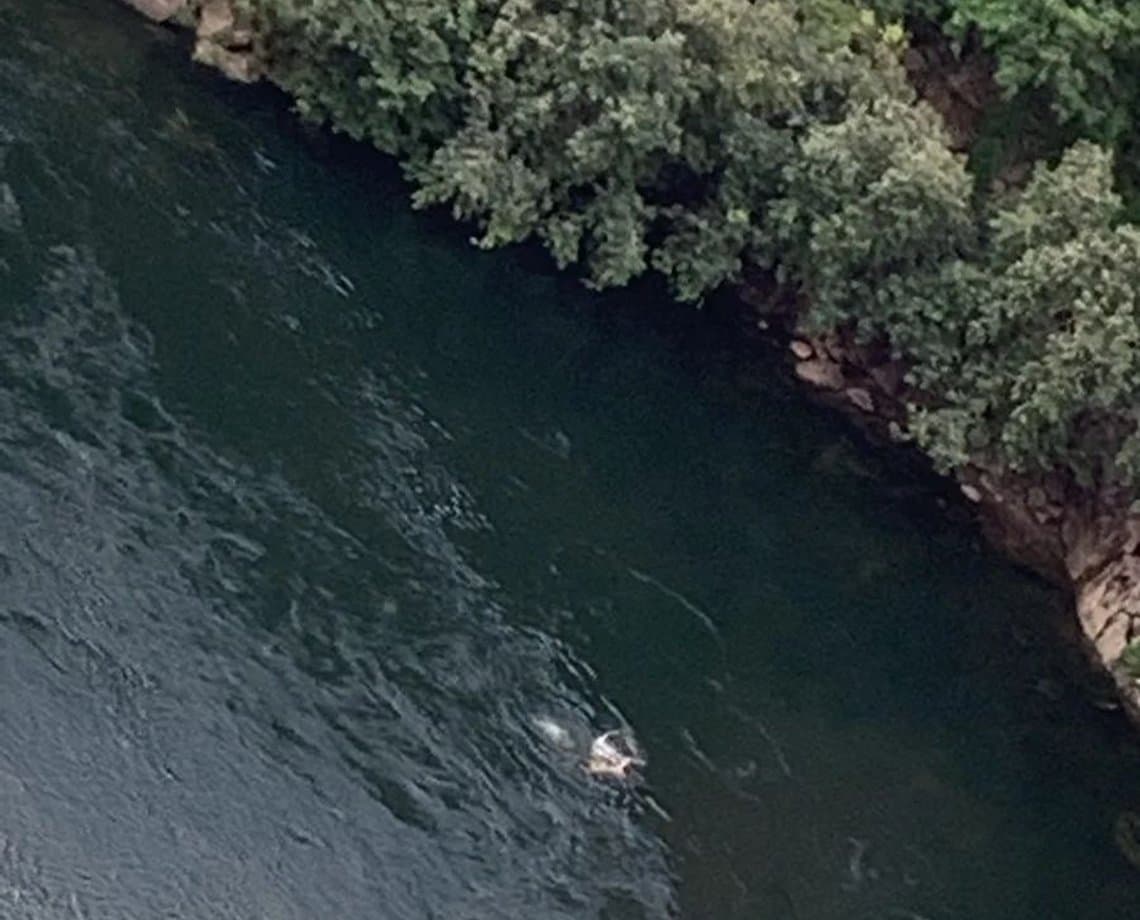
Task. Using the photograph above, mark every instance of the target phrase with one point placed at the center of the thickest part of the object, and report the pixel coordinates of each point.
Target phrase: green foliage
(1085, 53)
(388, 71)
(1043, 365)
(1070, 69)
(1058, 204)
(1030, 344)
(872, 207)
(649, 136)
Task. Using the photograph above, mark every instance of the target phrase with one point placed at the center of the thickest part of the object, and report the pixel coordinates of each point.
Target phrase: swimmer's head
(614, 754)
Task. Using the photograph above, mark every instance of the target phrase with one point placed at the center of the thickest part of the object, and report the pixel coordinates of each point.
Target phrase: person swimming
(614, 753)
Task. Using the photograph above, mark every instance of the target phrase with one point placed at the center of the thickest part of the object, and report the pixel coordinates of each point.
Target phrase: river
(309, 511)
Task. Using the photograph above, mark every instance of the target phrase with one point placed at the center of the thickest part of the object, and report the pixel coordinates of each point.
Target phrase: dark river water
(309, 511)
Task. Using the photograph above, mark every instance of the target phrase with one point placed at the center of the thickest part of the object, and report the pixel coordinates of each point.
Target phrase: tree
(388, 71)
(1084, 53)
(873, 206)
(1047, 371)
(646, 134)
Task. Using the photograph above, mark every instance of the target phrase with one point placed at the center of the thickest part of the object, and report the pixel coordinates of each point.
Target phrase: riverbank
(1088, 542)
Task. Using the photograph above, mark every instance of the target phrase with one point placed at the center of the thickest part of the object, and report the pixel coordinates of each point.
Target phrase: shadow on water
(310, 510)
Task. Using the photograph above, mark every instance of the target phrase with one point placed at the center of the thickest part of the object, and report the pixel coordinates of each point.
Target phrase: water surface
(308, 510)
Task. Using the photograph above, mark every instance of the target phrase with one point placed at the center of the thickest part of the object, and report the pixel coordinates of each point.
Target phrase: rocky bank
(1087, 542)
(223, 38)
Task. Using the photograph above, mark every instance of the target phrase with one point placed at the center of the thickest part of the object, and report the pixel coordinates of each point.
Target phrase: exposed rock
(801, 349)
(1010, 525)
(820, 372)
(1088, 546)
(237, 65)
(831, 345)
(1112, 641)
(224, 41)
(241, 37)
(219, 22)
(157, 10)
(860, 399)
(1093, 607)
(216, 21)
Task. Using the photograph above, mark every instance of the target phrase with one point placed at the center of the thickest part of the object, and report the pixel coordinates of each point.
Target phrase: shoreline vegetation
(936, 199)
